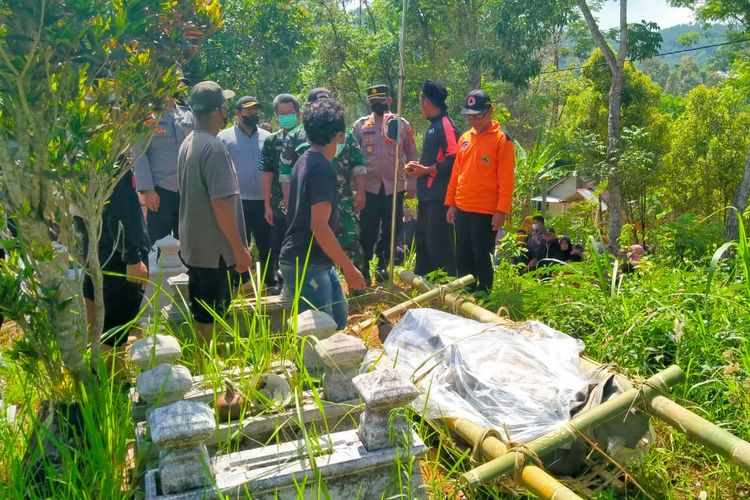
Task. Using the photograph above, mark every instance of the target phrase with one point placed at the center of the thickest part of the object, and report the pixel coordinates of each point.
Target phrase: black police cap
(378, 92)
(435, 91)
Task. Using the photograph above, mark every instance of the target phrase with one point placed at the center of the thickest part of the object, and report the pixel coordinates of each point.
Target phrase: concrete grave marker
(341, 354)
(154, 350)
(317, 324)
(383, 391)
(164, 384)
(181, 431)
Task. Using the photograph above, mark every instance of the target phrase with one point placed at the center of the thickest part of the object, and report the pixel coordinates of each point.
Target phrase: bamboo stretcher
(648, 396)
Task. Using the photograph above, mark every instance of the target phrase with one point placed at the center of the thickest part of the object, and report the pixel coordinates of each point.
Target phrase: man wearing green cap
(212, 227)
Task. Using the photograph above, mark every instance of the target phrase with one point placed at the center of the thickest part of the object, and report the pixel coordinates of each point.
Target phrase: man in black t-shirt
(311, 249)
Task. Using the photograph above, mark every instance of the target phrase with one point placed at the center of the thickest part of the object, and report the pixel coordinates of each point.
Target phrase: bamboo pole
(459, 303)
(698, 428)
(571, 430)
(399, 112)
(419, 300)
(533, 478)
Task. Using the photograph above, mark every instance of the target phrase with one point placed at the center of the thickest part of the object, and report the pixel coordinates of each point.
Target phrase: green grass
(692, 313)
(696, 315)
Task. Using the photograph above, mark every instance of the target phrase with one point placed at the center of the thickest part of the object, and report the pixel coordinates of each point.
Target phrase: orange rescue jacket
(484, 172)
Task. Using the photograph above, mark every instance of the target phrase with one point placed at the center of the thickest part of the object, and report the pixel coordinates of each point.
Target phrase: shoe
(382, 276)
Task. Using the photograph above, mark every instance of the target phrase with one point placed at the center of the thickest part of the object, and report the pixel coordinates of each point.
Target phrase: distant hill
(715, 33)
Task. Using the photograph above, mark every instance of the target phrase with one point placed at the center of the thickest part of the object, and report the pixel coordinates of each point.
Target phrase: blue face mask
(339, 148)
(288, 121)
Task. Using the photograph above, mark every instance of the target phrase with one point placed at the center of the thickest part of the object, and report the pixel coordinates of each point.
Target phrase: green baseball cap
(208, 96)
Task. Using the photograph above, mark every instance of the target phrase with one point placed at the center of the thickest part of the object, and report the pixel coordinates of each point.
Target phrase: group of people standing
(316, 195)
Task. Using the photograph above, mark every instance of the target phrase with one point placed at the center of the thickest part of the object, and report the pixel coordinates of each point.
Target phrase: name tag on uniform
(485, 159)
(370, 131)
(160, 131)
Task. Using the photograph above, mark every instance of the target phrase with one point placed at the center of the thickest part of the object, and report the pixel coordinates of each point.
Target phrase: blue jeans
(321, 290)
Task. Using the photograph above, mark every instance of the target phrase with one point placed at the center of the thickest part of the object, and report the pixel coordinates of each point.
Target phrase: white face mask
(535, 226)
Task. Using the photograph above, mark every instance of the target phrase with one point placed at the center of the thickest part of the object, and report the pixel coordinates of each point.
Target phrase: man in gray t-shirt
(212, 228)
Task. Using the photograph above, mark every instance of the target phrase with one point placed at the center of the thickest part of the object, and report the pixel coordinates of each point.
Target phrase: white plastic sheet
(519, 381)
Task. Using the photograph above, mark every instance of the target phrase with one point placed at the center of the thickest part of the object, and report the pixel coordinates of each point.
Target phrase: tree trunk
(62, 312)
(617, 68)
(731, 230)
(475, 77)
(613, 157)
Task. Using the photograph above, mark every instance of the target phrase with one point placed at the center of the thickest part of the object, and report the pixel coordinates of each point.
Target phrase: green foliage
(78, 80)
(708, 146)
(645, 321)
(644, 40)
(687, 238)
(258, 65)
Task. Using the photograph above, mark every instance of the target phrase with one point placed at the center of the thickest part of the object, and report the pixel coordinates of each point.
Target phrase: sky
(650, 10)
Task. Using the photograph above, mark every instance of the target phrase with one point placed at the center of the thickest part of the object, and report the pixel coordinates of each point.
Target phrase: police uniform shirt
(380, 154)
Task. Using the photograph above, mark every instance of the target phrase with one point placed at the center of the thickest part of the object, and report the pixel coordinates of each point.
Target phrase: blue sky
(650, 10)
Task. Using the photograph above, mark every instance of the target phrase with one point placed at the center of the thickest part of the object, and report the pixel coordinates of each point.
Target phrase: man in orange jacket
(480, 190)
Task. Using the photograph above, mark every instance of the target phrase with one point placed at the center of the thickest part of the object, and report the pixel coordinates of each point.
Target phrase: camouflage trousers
(348, 231)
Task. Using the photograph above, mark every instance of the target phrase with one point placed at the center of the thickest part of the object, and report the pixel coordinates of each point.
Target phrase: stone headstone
(317, 324)
(341, 354)
(314, 322)
(181, 431)
(383, 391)
(169, 253)
(182, 424)
(164, 384)
(154, 350)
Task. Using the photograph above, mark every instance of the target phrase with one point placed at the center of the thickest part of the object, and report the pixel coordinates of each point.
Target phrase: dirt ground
(8, 332)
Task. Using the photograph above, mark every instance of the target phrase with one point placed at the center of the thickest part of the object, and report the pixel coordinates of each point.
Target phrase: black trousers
(278, 230)
(167, 219)
(475, 241)
(257, 228)
(375, 227)
(434, 241)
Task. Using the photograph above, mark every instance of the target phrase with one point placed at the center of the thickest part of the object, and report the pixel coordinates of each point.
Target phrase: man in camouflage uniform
(350, 171)
(287, 110)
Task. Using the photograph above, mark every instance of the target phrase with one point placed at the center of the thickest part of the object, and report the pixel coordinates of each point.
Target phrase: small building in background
(561, 195)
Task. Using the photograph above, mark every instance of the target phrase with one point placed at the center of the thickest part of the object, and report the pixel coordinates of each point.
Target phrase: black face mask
(379, 108)
(250, 121)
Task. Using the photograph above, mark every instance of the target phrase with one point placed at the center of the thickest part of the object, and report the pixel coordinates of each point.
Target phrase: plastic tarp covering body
(520, 381)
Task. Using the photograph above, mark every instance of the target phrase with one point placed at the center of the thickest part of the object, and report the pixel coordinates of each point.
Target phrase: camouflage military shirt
(349, 164)
(270, 162)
